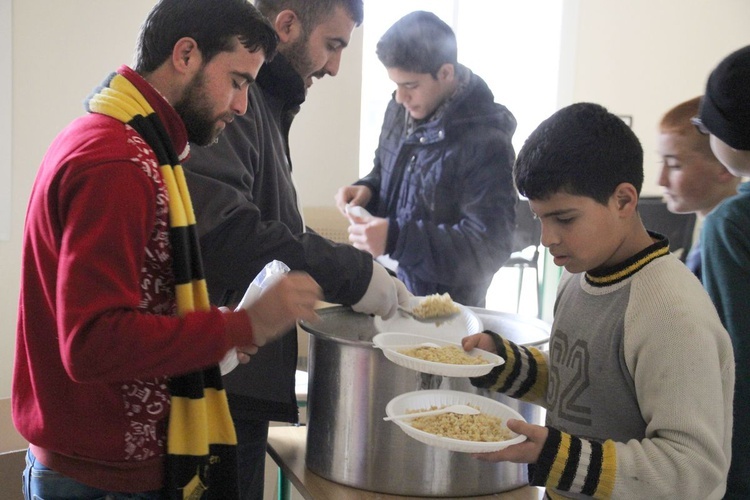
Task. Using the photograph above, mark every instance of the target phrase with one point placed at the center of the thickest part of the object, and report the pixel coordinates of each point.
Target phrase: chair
(525, 250)
(678, 228)
(328, 222)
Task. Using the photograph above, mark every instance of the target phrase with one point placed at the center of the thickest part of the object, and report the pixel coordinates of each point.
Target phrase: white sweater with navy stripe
(638, 385)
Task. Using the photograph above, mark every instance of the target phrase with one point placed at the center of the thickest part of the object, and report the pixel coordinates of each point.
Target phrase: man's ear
(446, 72)
(626, 198)
(186, 57)
(288, 26)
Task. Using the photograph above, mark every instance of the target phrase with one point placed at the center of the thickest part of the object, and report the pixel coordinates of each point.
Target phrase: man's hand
(352, 195)
(522, 453)
(245, 353)
(291, 297)
(369, 234)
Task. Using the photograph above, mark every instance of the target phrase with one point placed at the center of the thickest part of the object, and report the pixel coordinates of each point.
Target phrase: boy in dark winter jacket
(441, 192)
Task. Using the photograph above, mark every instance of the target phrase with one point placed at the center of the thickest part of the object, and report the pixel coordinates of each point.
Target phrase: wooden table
(286, 445)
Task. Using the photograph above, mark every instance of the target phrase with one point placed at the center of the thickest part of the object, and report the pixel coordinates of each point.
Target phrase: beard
(299, 57)
(194, 109)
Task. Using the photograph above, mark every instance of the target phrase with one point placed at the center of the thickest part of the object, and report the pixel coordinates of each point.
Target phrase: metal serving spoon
(459, 409)
(429, 319)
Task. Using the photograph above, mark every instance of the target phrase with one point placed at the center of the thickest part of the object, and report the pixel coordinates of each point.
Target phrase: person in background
(639, 376)
(725, 116)
(441, 191)
(242, 187)
(694, 180)
(116, 385)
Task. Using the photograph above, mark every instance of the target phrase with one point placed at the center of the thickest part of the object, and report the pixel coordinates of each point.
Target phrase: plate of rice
(435, 356)
(482, 433)
(466, 323)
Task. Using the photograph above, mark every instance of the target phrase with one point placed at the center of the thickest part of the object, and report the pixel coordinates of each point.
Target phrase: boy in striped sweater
(639, 375)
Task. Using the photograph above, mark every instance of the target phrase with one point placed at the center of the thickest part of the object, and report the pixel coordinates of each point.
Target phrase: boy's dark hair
(312, 12)
(214, 25)
(419, 42)
(582, 150)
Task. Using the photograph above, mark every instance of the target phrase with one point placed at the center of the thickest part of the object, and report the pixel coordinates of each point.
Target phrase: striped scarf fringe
(201, 460)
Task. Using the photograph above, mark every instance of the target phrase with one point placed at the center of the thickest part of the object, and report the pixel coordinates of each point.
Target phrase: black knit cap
(725, 107)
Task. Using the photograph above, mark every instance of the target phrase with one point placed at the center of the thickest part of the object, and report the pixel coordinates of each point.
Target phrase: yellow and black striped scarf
(201, 457)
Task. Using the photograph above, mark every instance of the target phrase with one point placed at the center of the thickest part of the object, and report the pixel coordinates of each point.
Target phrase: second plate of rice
(448, 359)
(483, 433)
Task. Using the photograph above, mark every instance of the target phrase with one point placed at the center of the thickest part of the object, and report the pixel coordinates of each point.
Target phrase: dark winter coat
(248, 215)
(447, 190)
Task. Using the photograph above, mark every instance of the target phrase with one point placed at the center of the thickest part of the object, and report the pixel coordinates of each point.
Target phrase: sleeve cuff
(489, 380)
(575, 465)
(239, 329)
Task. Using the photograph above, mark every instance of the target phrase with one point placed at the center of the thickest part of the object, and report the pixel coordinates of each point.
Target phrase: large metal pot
(350, 383)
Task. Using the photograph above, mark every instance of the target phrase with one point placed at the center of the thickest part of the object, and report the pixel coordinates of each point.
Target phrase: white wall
(5, 117)
(325, 136)
(61, 51)
(641, 57)
(637, 57)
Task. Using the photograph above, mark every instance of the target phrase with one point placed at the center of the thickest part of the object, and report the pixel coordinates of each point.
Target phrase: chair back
(527, 238)
(678, 228)
(528, 230)
(328, 222)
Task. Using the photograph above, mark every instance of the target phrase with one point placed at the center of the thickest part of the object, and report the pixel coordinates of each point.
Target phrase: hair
(677, 121)
(214, 25)
(582, 150)
(419, 42)
(311, 13)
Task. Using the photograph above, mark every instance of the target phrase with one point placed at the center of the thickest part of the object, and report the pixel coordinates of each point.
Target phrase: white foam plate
(392, 342)
(423, 400)
(466, 323)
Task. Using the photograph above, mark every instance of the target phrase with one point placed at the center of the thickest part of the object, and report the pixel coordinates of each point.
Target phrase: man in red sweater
(115, 384)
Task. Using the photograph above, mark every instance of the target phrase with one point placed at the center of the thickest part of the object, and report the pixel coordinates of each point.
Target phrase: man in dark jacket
(242, 188)
(441, 192)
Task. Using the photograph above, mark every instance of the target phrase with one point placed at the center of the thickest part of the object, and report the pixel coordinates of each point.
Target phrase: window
(514, 45)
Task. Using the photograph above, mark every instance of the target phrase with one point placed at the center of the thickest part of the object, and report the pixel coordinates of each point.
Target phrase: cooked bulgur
(481, 427)
(435, 305)
(449, 354)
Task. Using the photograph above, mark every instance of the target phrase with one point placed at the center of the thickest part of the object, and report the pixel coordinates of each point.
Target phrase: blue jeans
(42, 483)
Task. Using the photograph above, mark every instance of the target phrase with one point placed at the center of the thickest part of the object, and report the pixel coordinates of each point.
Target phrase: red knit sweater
(97, 336)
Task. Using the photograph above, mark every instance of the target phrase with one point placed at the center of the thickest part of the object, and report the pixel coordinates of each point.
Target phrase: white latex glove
(383, 295)
(404, 295)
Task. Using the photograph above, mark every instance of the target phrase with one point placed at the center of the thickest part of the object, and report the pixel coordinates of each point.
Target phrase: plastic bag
(270, 273)
(357, 211)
